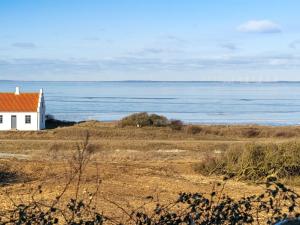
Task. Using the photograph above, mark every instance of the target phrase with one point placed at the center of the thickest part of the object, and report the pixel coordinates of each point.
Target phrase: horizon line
(181, 81)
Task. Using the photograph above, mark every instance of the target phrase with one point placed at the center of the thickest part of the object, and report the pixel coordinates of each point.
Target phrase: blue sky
(246, 40)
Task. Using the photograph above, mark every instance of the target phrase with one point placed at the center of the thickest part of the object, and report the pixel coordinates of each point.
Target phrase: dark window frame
(27, 119)
(1, 118)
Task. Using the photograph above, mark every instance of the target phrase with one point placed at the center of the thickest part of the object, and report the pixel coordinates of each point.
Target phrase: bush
(277, 203)
(256, 162)
(143, 120)
(52, 123)
(158, 121)
(176, 124)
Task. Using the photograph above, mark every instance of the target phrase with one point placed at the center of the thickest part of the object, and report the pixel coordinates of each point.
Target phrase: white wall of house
(21, 125)
(37, 119)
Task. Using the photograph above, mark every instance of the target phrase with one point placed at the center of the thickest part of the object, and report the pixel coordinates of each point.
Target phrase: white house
(22, 111)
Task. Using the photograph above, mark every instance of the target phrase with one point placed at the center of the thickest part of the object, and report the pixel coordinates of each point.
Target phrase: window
(1, 119)
(27, 119)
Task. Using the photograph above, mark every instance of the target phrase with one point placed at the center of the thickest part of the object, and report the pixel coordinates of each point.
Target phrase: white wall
(21, 125)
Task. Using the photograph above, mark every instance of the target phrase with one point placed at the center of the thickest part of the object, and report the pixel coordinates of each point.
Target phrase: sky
(190, 40)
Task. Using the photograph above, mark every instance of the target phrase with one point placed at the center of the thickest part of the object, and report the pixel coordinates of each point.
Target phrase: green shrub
(158, 121)
(136, 119)
(144, 120)
(256, 162)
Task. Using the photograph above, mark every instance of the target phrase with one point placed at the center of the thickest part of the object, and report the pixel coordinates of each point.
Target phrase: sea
(264, 103)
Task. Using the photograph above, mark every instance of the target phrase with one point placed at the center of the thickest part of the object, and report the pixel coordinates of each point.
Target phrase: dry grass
(133, 162)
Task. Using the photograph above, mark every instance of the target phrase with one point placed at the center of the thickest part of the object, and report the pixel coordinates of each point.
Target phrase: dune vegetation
(129, 169)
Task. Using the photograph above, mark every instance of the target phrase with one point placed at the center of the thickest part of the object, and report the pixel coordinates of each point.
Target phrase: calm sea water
(193, 102)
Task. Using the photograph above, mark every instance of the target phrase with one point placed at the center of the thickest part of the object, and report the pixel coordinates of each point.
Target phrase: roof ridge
(20, 93)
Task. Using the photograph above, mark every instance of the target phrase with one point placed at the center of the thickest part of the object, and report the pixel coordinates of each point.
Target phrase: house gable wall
(42, 113)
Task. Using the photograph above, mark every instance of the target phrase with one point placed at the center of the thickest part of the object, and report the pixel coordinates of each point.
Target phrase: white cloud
(259, 26)
(24, 45)
(140, 63)
(229, 46)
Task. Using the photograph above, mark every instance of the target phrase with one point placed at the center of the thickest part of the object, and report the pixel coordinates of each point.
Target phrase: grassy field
(132, 162)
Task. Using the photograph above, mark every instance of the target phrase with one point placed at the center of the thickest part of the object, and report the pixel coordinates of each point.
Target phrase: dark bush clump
(176, 124)
(52, 123)
(158, 121)
(144, 119)
(149, 120)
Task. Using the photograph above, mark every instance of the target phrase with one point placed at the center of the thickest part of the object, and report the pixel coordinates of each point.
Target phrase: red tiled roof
(24, 102)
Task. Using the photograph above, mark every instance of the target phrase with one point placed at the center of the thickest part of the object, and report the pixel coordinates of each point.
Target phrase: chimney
(41, 91)
(17, 91)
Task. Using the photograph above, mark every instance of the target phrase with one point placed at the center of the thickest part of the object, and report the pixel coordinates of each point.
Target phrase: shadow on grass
(9, 177)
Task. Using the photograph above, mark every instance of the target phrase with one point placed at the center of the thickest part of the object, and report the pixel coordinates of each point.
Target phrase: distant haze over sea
(208, 102)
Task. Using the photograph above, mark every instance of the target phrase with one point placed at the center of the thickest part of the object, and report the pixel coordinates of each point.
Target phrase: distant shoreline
(151, 81)
(188, 123)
